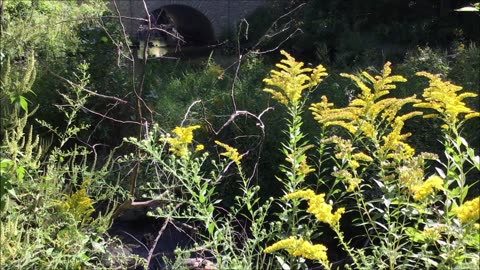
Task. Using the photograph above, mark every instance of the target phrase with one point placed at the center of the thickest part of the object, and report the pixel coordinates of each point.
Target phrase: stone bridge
(199, 22)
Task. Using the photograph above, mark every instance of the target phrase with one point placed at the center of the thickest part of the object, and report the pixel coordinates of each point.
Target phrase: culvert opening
(178, 25)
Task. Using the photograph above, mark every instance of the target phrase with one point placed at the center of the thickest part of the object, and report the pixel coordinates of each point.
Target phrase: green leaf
(210, 208)
(23, 103)
(211, 227)
(20, 173)
(5, 164)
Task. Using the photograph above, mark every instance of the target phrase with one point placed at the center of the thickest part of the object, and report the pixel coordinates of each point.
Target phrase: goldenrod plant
(290, 84)
(412, 217)
(189, 194)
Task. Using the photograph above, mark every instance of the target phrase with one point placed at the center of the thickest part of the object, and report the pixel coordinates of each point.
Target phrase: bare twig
(188, 111)
(272, 26)
(83, 88)
(125, 36)
(110, 118)
(155, 242)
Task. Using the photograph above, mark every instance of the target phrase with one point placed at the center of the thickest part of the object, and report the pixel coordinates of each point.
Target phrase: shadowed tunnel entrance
(190, 24)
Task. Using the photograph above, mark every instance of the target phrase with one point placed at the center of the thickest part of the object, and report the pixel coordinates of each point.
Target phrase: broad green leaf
(23, 103)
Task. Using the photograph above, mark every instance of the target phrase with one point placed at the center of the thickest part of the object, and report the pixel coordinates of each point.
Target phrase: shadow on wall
(176, 26)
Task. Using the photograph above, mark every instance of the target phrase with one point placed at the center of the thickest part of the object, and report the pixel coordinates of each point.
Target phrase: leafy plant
(47, 208)
(186, 192)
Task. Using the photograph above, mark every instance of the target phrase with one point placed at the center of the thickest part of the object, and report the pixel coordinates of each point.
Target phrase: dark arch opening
(192, 27)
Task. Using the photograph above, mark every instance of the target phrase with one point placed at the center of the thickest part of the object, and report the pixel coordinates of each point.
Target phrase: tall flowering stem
(289, 84)
(448, 105)
(445, 101)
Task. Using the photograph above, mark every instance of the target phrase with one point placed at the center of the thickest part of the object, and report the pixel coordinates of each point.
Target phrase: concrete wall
(222, 14)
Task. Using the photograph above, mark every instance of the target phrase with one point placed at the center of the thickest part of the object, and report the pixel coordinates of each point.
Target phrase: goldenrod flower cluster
(231, 153)
(184, 137)
(469, 211)
(292, 79)
(345, 152)
(442, 97)
(394, 145)
(79, 204)
(199, 147)
(356, 158)
(304, 168)
(326, 115)
(360, 115)
(428, 187)
(301, 248)
(318, 207)
(372, 115)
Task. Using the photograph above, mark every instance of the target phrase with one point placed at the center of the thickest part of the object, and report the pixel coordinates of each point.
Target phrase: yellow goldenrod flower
(179, 144)
(472, 115)
(301, 194)
(353, 184)
(346, 177)
(367, 128)
(353, 164)
(362, 157)
(78, 204)
(292, 79)
(442, 97)
(231, 153)
(328, 116)
(469, 211)
(369, 109)
(318, 207)
(304, 168)
(199, 148)
(301, 248)
(420, 192)
(394, 145)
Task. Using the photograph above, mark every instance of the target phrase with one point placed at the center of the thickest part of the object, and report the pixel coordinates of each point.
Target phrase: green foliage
(355, 34)
(171, 88)
(47, 27)
(46, 210)
(15, 83)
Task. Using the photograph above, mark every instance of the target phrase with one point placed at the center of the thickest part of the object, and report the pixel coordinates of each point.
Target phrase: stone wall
(222, 14)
